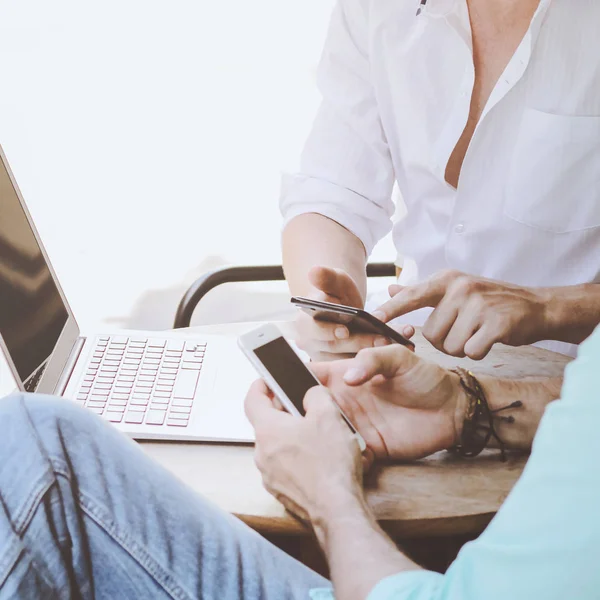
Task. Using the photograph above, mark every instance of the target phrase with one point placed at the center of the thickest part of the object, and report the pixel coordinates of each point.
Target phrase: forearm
(534, 393)
(314, 240)
(359, 553)
(572, 312)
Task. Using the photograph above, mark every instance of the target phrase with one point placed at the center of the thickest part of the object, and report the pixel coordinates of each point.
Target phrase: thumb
(336, 284)
(329, 372)
(388, 361)
(318, 402)
(260, 404)
(395, 289)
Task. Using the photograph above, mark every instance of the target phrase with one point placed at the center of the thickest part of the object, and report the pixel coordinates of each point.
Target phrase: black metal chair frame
(212, 279)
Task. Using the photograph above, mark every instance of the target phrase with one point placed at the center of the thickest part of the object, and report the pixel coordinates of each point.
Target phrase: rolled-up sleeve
(346, 171)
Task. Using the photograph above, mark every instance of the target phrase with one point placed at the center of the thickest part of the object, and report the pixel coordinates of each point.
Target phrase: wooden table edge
(410, 528)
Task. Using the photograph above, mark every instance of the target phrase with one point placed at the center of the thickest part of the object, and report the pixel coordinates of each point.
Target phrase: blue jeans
(84, 513)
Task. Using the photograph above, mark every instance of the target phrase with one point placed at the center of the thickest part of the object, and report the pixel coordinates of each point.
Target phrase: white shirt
(396, 95)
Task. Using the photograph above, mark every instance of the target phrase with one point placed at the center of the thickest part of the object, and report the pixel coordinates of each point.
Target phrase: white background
(149, 137)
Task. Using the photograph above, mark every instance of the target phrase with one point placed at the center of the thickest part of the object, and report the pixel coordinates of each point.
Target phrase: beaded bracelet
(478, 426)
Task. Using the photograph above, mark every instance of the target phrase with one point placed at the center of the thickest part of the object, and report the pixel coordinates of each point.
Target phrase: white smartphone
(284, 371)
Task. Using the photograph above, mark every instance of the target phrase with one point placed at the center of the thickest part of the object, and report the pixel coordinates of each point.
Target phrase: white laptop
(149, 385)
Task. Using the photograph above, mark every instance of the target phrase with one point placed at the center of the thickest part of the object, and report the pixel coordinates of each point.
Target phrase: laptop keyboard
(142, 380)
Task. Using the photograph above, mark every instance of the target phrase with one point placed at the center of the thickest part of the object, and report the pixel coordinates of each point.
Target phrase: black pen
(421, 7)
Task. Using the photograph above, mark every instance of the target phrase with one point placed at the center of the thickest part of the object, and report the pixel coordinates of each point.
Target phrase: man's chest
(438, 71)
(496, 35)
(527, 102)
(497, 30)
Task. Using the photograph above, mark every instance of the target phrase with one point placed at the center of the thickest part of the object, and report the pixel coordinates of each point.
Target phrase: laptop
(151, 386)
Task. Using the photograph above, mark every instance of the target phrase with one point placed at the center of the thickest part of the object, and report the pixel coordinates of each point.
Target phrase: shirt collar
(440, 8)
(457, 13)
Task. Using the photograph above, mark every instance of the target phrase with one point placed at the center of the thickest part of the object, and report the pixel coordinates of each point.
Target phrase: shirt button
(460, 227)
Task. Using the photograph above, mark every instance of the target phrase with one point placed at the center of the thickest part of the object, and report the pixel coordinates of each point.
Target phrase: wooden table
(441, 495)
(436, 497)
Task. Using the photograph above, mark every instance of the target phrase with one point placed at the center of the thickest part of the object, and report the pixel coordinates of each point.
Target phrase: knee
(41, 406)
(50, 417)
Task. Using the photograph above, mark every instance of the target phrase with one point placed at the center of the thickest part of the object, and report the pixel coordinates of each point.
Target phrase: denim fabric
(85, 514)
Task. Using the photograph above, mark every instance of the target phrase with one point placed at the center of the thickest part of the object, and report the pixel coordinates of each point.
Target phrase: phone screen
(288, 370)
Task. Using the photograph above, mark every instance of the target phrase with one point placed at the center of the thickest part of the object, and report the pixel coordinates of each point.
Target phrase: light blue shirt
(544, 543)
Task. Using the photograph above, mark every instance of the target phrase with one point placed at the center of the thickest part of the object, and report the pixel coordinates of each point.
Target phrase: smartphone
(356, 319)
(283, 370)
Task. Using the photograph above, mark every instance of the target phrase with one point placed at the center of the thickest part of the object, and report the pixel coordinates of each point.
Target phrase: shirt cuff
(365, 219)
(411, 585)
(335, 215)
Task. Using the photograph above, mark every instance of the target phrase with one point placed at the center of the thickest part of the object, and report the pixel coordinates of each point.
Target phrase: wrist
(551, 307)
(461, 405)
(335, 509)
(571, 313)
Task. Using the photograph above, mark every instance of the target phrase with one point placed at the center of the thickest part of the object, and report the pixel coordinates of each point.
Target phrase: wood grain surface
(439, 496)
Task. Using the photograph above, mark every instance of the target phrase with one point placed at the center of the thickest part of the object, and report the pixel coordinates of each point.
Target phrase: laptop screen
(32, 312)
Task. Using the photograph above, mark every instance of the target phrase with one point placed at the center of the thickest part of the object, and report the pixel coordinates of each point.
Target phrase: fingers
(259, 405)
(410, 298)
(319, 337)
(405, 299)
(466, 324)
(467, 337)
(408, 331)
(478, 346)
(440, 322)
(387, 362)
(460, 326)
(321, 331)
(351, 346)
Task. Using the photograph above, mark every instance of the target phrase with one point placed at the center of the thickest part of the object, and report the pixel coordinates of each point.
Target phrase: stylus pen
(421, 7)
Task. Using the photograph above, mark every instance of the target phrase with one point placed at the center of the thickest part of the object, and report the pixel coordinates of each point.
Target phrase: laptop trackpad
(222, 414)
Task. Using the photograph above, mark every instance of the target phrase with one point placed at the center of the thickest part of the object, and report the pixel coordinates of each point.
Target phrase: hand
(308, 463)
(329, 341)
(404, 407)
(470, 313)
